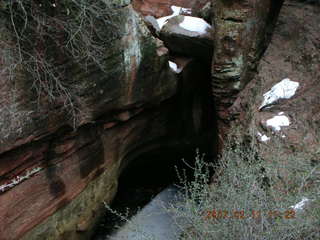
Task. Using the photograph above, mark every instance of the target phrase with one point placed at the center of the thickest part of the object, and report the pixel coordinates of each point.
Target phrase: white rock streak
(282, 90)
(18, 179)
(195, 24)
(299, 205)
(174, 67)
(278, 121)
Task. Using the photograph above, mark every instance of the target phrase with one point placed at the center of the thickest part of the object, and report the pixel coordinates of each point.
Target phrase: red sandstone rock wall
(53, 179)
(293, 53)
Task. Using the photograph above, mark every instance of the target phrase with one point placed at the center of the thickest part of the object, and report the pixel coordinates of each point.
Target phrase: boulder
(175, 12)
(188, 36)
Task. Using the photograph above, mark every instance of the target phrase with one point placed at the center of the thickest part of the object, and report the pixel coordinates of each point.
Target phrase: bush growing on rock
(251, 199)
(44, 42)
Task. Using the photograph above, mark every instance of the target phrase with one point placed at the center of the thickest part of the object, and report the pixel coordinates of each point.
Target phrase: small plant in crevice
(135, 229)
(48, 42)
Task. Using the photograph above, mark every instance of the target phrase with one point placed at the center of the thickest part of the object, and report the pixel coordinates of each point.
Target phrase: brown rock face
(128, 81)
(54, 179)
(294, 53)
(242, 32)
(78, 171)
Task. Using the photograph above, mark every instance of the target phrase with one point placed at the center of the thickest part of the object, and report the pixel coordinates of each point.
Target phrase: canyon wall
(269, 100)
(61, 154)
(242, 33)
(286, 87)
(59, 164)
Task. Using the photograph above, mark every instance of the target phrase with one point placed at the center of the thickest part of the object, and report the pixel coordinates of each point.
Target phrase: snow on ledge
(195, 24)
(278, 121)
(263, 138)
(186, 11)
(176, 11)
(282, 90)
(300, 205)
(174, 67)
(154, 221)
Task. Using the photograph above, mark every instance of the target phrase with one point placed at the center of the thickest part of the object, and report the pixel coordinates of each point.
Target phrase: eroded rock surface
(53, 178)
(289, 124)
(242, 33)
(128, 82)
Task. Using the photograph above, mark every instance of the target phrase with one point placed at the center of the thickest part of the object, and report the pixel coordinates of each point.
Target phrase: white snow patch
(299, 205)
(174, 67)
(18, 179)
(154, 221)
(263, 138)
(186, 10)
(163, 20)
(278, 121)
(282, 90)
(195, 24)
(176, 9)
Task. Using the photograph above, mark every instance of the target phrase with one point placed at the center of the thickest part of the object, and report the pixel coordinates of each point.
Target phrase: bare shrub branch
(51, 37)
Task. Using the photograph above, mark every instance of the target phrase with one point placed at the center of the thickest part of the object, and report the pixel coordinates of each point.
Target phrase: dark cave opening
(143, 179)
(147, 172)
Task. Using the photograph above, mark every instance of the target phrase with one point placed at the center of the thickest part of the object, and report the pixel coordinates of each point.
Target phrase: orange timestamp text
(242, 214)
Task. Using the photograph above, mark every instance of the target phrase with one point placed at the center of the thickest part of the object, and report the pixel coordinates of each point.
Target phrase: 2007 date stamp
(242, 214)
